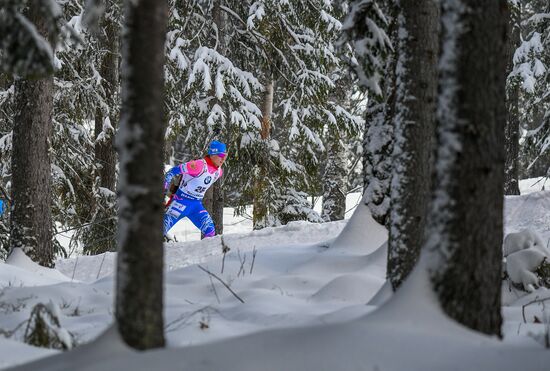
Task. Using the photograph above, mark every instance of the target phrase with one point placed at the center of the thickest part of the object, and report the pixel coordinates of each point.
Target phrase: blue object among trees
(1, 207)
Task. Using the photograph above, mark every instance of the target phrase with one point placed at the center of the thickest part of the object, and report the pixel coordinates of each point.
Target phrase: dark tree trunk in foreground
(511, 133)
(414, 134)
(465, 223)
(31, 221)
(139, 287)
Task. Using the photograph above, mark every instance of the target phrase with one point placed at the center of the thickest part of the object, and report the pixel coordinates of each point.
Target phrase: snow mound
(521, 265)
(529, 211)
(361, 231)
(524, 252)
(15, 353)
(525, 239)
(20, 270)
(349, 287)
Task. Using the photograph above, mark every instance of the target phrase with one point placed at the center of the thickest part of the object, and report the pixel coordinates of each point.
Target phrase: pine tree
(139, 288)
(288, 44)
(86, 88)
(531, 68)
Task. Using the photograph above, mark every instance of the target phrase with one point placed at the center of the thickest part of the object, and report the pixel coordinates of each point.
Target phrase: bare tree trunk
(104, 227)
(511, 134)
(139, 287)
(31, 221)
(216, 208)
(465, 223)
(414, 132)
(334, 181)
(260, 210)
(267, 110)
(104, 150)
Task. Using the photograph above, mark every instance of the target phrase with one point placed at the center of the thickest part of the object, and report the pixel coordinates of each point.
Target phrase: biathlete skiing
(185, 186)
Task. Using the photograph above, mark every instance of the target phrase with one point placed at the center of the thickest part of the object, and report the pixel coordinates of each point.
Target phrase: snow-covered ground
(314, 299)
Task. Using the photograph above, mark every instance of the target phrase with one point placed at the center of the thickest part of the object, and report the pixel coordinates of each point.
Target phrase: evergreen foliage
(44, 330)
(218, 92)
(25, 52)
(370, 28)
(532, 72)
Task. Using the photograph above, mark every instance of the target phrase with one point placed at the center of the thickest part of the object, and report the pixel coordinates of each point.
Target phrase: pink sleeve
(194, 167)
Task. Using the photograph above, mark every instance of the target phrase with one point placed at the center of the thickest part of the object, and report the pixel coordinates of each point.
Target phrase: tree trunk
(104, 227)
(465, 223)
(216, 209)
(139, 287)
(213, 203)
(414, 126)
(511, 134)
(31, 221)
(267, 110)
(334, 181)
(217, 206)
(104, 149)
(260, 209)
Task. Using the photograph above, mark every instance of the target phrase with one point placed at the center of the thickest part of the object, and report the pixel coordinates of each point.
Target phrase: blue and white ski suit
(197, 177)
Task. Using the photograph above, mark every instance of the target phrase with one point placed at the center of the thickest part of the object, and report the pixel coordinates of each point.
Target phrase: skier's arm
(176, 170)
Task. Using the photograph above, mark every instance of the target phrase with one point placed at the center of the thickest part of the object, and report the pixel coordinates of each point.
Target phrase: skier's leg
(202, 220)
(175, 212)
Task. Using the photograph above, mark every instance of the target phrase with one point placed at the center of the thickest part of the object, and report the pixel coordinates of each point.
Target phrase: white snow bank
(408, 333)
(524, 239)
(524, 252)
(15, 353)
(305, 307)
(529, 211)
(527, 227)
(20, 270)
(521, 265)
(531, 185)
(360, 229)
